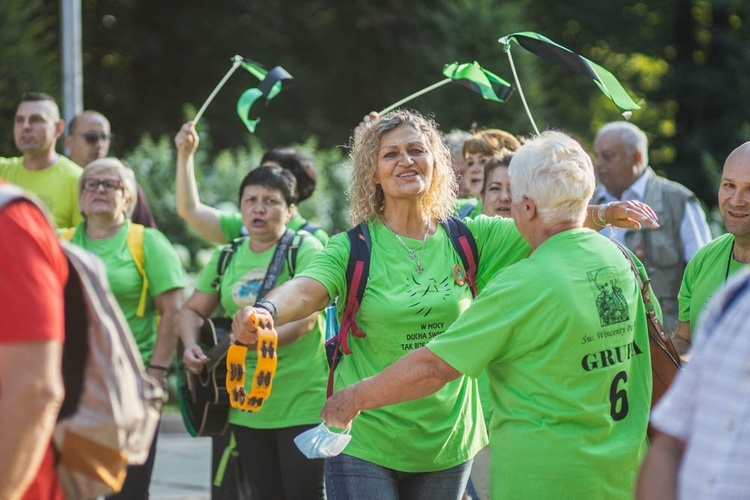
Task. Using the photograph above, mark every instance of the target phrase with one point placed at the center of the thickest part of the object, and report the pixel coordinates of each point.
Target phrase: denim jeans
(348, 477)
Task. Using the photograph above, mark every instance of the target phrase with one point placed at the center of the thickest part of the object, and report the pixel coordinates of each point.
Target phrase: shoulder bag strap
(277, 262)
(655, 328)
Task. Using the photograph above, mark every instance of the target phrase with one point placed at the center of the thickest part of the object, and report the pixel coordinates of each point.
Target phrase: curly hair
(367, 199)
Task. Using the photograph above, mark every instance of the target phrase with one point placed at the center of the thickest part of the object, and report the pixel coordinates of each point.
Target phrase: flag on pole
(544, 47)
(271, 83)
(478, 79)
(470, 75)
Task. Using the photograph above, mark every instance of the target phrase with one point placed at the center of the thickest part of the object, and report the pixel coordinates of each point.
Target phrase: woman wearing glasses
(144, 272)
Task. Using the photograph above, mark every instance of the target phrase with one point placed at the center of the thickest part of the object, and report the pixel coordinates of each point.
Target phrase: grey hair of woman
(126, 176)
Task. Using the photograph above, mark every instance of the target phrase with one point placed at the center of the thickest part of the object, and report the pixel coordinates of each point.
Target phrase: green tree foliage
(144, 60)
(29, 59)
(683, 58)
(219, 177)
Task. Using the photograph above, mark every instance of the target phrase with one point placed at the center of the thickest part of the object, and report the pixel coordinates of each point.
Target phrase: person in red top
(34, 271)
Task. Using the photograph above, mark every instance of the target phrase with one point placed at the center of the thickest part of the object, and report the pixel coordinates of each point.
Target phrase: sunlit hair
(555, 171)
(366, 197)
(631, 136)
(494, 163)
(126, 176)
(491, 142)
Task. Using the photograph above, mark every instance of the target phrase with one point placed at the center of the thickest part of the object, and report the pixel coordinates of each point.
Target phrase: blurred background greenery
(149, 64)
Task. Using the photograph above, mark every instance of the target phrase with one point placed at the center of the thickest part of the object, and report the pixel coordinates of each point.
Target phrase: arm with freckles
(297, 300)
(416, 375)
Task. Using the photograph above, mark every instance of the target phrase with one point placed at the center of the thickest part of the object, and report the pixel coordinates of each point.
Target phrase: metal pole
(72, 70)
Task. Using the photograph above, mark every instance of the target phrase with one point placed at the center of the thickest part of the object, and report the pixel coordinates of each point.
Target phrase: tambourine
(265, 369)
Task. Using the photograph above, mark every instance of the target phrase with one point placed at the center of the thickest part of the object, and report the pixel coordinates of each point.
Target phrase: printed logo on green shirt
(417, 287)
(610, 301)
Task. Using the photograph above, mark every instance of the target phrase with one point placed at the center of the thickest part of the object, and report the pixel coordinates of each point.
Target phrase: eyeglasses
(94, 137)
(107, 184)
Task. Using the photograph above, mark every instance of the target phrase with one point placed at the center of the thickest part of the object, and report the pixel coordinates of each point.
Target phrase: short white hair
(555, 171)
(126, 175)
(633, 138)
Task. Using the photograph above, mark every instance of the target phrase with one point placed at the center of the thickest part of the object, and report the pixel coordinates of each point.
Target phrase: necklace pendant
(411, 255)
(419, 269)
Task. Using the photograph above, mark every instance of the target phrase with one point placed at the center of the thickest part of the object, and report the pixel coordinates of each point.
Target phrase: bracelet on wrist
(268, 306)
(601, 218)
(158, 367)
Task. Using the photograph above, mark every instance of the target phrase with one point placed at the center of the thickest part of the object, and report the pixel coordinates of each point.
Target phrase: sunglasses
(94, 137)
(107, 184)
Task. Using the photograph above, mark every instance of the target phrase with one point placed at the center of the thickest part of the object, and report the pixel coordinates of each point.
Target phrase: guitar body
(204, 401)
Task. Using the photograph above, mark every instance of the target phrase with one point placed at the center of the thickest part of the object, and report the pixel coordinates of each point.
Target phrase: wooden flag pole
(414, 95)
(236, 61)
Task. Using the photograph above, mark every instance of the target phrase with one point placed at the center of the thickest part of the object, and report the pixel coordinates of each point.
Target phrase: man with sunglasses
(40, 169)
(89, 138)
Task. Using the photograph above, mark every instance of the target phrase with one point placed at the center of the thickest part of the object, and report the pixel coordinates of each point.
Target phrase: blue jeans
(348, 477)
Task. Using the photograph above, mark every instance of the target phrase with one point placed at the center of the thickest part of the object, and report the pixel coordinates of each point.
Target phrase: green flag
(271, 83)
(478, 79)
(562, 56)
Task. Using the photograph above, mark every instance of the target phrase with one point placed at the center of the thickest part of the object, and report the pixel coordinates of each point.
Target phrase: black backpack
(358, 269)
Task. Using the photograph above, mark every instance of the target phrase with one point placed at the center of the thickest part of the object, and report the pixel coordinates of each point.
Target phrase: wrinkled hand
(194, 359)
(340, 409)
(245, 324)
(631, 214)
(186, 141)
(372, 116)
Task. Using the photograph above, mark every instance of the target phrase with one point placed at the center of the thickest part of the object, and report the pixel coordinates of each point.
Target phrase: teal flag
(562, 56)
(478, 79)
(271, 83)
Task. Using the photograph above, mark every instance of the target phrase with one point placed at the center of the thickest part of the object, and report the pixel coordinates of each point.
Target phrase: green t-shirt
(56, 185)
(231, 226)
(299, 387)
(463, 204)
(401, 311)
(163, 269)
(563, 338)
(706, 272)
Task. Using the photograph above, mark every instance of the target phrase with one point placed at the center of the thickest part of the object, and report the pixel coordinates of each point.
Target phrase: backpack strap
(225, 257)
(357, 271)
(135, 245)
(310, 227)
(466, 248)
(67, 234)
(466, 209)
(291, 257)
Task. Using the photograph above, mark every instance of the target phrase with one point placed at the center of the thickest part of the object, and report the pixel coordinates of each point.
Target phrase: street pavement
(182, 468)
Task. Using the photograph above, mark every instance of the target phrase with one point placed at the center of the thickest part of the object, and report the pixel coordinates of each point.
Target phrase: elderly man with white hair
(570, 389)
(621, 151)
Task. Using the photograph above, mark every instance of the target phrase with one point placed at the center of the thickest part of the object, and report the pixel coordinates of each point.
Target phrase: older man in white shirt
(621, 164)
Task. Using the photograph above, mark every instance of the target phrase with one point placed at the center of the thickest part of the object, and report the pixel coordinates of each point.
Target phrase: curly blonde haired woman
(402, 187)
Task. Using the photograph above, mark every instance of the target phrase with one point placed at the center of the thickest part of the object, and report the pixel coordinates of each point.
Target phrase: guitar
(203, 398)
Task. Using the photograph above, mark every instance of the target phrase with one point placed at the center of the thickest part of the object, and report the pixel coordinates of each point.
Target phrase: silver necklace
(412, 253)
